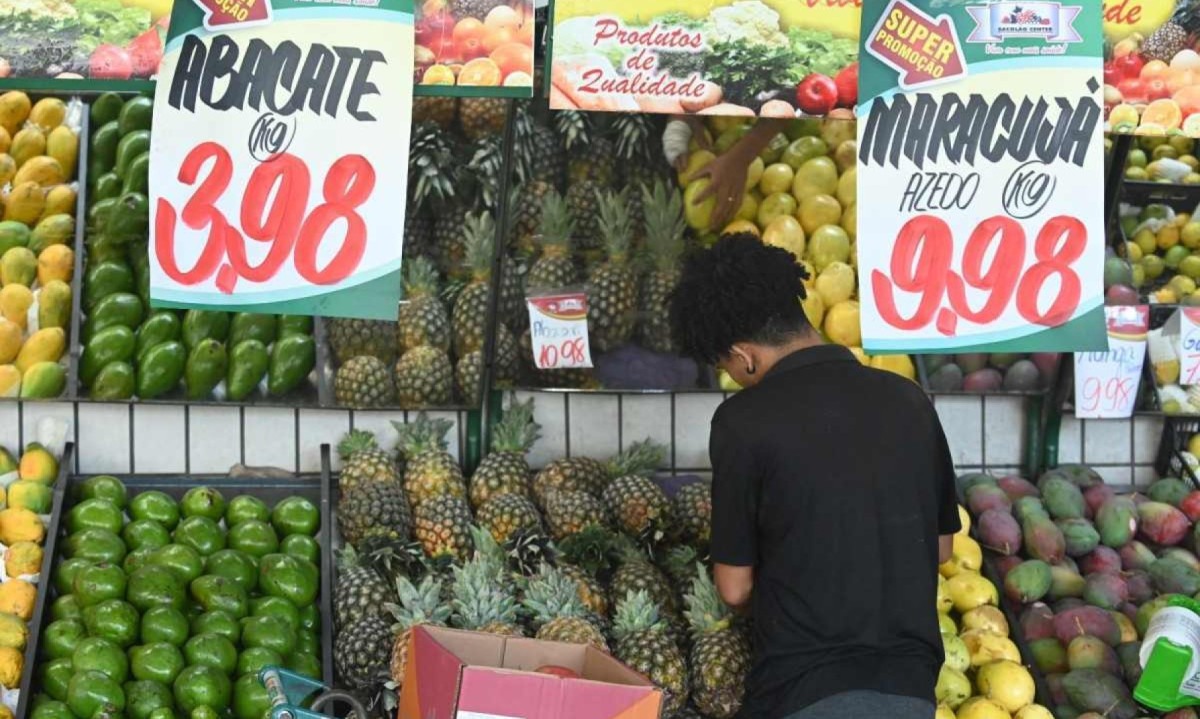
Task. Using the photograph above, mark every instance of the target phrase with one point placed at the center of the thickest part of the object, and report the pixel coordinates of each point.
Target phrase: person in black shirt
(833, 497)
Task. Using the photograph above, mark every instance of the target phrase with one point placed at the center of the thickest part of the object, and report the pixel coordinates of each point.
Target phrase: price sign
(1106, 383)
(280, 144)
(980, 147)
(1186, 324)
(558, 327)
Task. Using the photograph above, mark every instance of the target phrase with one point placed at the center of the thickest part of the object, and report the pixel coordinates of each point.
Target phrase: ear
(744, 354)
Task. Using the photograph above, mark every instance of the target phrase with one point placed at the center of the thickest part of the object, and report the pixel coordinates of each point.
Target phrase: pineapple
(591, 592)
(419, 605)
(418, 233)
(504, 470)
(424, 379)
(582, 200)
(377, 509)
(575, 474)
(612, 286)
(480, 603)
(506, 514)
(361, 651)
(553, 600)
(679, 562)
(477, 9)
(360, 592)
(469, 319)
(355, 338)
(527, 218)
(692, 509)
(549, 161)
(665, 226)
(364, 382)
(449, 244)
(441, 111)
(431, 471)
(555, 269)
(363, 462)
(434, 171)
(569, 513)
(720, 659)
(644, 644)
(592, 157)
(639, 506)
(482, 116)
(1174, 35)
(468, 373)
(423, 319)
(637, 573)
(443, 527)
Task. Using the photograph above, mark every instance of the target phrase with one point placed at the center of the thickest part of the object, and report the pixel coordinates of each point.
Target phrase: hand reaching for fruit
(727, 173)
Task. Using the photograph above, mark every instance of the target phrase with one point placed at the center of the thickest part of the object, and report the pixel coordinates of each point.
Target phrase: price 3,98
(286, 224)
(921, 264)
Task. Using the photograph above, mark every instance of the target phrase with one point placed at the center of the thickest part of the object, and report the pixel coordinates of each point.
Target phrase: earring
(750, 370)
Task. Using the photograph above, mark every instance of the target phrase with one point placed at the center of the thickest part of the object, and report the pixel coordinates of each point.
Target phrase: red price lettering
(1112, 394)
(286, 223)
(568, 353)
(921, 264)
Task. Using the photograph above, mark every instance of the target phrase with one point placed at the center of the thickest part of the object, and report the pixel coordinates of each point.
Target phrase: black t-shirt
(834, 481)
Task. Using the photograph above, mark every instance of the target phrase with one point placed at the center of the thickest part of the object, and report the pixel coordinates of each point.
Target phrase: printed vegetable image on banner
(280, 146)
(1152, 67)
(81, 44)
(774, 58)
(980, 147)
(475, 48)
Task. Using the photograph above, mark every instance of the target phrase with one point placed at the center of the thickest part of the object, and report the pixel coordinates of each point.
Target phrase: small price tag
(1106, 383)
(558, 327)
(1189, 346)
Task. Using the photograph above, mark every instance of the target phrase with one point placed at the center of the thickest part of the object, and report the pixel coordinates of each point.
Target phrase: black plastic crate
(314, 487)
(1176, 433)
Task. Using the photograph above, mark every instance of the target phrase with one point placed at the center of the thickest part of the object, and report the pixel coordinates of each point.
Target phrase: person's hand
(699, 131)
(727, 186)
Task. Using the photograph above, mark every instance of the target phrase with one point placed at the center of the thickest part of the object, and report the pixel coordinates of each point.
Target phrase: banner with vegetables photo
(67, 45)
(771, 58)
(981, 148)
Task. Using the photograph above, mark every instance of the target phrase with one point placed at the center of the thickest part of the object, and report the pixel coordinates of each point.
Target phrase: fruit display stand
(269, 490)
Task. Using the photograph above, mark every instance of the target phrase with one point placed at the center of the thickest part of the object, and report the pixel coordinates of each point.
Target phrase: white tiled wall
(983, 432)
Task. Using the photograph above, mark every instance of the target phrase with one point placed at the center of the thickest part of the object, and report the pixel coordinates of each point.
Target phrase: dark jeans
(867, 705)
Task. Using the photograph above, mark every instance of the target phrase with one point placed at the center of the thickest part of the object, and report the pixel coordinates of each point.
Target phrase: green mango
(205, 368)
(292, 359)
(111, 344)
(104, 279)
(115, 381)
(119, 308)
(249, 326)
(204, 324)
(161, 369)
(248, 364)
(107, 185)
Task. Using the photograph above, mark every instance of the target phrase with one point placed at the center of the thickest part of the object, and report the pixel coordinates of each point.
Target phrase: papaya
(14, 110)
(116, 380)
(63, 145)
(10, 340)
(46, 345)
(5, 141)
(27, 144)
(15, 301)
(111, 344)
(13, 234)
(48, 113)
(54, 305)
(44, 170)
(44, 380)
(56, 262)
(61, 200)
(8, 168)
(10, 381)
(104, 279)
(20, 525)
(52, 230)
(25, 203)
(1117, 522)
(28, 494)
(18, 266)
(16, 595)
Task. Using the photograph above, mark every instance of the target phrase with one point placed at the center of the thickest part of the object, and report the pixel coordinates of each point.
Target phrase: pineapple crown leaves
(527, 549)
(633, 133)
(355, 441)
(480, 233)
(485, 167)
(516, 431)
(575, 129)
(489, 553)
(635, 614)
(705, 612)
(478, 599)
(422, 435)
(433, 171)
(616, 224)
(592, 550)
(551, 594)
(420, 278)
(419, 604)
(641, 459)
(662, 207)
(557, 225)
(679, 561)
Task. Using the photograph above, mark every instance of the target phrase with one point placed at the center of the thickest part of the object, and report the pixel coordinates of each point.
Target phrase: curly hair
(740, 290)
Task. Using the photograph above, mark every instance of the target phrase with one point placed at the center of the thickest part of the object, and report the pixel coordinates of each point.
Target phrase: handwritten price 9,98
(1108, 395)
(288, 225)
(924, 251)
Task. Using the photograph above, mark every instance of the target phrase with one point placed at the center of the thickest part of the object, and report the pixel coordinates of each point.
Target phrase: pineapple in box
(558, 614)
(639, 506)
(663, 208)
(612, 286)
(419, 605)
(364, 382)
(471, 308)
(481, 604)
(505, 470)
(430, 471)
(361, 590)
(720, 659)
(645, 645)
(423, 321)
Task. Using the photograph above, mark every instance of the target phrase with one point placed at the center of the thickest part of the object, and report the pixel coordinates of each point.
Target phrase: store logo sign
(1048, 21)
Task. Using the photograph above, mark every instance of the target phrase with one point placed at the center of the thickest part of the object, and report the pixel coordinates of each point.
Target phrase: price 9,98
(284, 221)
(993, 262)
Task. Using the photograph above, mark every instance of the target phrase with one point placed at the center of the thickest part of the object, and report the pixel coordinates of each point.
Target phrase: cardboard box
(466, 675)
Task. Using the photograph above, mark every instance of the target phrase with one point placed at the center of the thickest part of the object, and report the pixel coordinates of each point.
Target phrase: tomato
(146, 51)
(1133, 90)
(109, 62)
(1130, 65)
(1112, 75)
(1157, 89)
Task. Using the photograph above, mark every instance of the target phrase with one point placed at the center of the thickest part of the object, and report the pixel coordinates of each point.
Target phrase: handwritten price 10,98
(924, 251)
(287, 224)
(568, 353)
(1109, 395)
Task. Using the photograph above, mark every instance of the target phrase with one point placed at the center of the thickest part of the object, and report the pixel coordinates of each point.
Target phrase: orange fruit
(480, 72)
(1179, 79)
(1188, 99)
(1163, 112)
(513, 57)
(525, 34)
(495, 37)
(438, 75)
(503, 16)
(468, 37)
